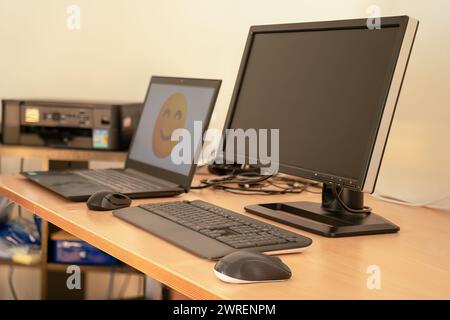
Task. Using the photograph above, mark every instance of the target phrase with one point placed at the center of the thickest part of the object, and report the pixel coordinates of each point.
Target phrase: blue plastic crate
(79, 252)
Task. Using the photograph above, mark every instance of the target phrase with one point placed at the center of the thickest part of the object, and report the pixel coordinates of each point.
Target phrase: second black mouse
(247, 266)
(107, 200)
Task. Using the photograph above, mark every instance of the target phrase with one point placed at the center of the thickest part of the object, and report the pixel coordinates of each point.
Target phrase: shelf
(52, 266)
(4, 262)
(61, 153)
(48, 154)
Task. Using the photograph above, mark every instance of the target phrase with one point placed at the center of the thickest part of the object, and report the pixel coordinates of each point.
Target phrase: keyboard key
(117, 180)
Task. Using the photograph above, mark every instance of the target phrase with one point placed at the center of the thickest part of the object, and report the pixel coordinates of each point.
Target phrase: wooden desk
(58, 158)
(415, 263)
(47, 153)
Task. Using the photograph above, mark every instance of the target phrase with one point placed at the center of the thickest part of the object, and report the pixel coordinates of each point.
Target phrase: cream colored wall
(122, 43)
(417, 160)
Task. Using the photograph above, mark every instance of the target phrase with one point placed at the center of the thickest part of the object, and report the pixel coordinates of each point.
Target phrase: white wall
(122, 43)
(417, 160)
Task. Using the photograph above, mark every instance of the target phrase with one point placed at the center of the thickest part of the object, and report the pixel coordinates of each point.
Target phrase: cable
(111, 282)
(230, 179)
(10, 203)
(366, 210)
(19, 208)
(11, 282)
(142, 285)
(249, 185)
(412, 204)
(22, 161)
(253, 187)
(124, 286)
(300, 187)
(313, 192)
(252, 191)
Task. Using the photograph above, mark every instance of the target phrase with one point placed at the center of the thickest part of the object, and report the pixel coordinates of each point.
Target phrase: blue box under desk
(68, 249)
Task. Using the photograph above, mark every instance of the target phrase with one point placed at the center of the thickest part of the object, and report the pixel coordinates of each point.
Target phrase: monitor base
(326, 219)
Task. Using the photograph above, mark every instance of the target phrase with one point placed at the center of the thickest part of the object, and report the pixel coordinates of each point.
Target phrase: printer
(77, 125)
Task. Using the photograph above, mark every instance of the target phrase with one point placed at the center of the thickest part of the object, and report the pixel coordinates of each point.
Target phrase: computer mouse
(247, 267)
(107, 200)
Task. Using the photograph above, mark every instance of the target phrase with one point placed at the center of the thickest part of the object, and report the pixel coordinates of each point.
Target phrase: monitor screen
(169, 107)
(323, 89)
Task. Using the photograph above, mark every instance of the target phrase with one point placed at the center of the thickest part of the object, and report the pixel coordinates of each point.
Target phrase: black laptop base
(78, 189)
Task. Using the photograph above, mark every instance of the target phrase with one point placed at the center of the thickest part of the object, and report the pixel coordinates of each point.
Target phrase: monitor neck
(352, 198)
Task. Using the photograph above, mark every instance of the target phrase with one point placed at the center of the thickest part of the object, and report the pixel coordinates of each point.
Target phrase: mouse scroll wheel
(115, 198)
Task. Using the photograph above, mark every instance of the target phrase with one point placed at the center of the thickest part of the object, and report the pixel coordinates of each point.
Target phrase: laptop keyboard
(231, 228)
(118, 181)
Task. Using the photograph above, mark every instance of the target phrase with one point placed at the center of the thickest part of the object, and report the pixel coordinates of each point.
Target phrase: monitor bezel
(184, 181)
(367, 180)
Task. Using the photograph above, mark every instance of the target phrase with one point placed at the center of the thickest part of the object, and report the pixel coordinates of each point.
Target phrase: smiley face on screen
(172, 116)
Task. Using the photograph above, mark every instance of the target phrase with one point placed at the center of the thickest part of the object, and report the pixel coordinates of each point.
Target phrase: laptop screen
(169, 107)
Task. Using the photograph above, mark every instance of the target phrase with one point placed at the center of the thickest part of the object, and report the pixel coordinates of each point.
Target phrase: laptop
(153, 167)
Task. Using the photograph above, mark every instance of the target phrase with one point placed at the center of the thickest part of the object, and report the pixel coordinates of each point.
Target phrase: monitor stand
(329, 218)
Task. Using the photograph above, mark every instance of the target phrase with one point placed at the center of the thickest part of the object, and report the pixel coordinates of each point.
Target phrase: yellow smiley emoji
(172, 116)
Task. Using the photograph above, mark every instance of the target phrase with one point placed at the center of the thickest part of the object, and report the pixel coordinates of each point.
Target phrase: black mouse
(247, 266)
(107, 200)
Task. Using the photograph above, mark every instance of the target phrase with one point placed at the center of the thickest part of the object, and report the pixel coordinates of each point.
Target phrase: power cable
(11, 281)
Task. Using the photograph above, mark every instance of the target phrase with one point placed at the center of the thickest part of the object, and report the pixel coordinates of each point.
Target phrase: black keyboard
(118, 181)
(226, 230)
